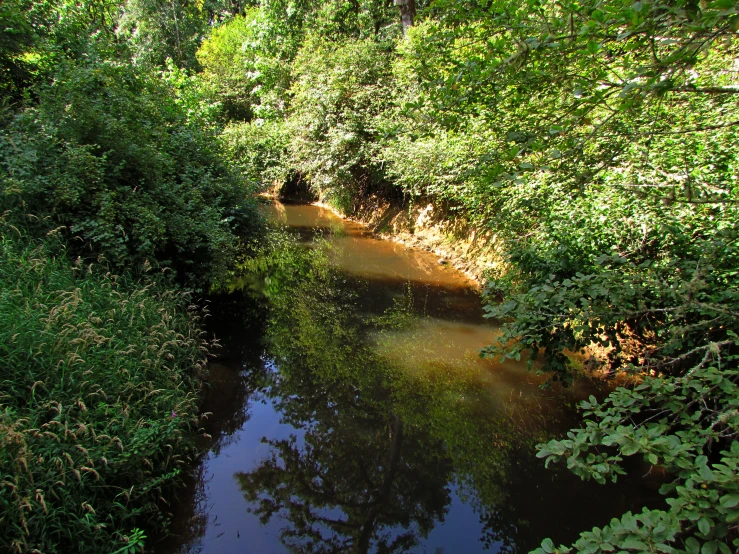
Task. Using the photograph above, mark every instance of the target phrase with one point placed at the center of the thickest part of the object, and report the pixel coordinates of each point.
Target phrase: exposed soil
(423, 225)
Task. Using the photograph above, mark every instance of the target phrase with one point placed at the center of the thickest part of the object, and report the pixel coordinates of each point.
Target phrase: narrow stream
(358, 417)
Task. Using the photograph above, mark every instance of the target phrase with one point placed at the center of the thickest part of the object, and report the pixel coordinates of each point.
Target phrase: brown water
(357, 416)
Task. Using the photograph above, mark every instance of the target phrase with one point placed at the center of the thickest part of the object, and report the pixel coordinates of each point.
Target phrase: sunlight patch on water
(303, 215)
(433, 346)
(370, 258)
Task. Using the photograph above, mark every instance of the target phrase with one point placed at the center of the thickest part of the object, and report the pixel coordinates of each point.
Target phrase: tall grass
(98, 381)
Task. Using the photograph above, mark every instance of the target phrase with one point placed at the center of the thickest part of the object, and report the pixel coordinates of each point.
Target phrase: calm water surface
(358, 416)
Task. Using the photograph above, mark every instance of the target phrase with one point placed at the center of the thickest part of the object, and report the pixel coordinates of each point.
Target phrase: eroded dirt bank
(425, 226)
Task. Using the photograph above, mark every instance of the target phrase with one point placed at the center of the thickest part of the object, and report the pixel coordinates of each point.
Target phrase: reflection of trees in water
(374, 467)
(227, 402)
(238, 371)
(361, 480)
(193, 524)
(231, 384)
(379, 445)
(555, 503)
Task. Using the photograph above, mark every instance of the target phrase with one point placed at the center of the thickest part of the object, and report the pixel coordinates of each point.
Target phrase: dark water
(358, 417)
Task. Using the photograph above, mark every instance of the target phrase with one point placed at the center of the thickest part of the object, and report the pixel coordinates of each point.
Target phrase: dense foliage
(339, 91)
(97, 396)
(116, 153)
(109, 154)
(114, 201)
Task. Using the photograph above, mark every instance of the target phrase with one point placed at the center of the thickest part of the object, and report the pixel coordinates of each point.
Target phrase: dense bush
(117, 159)
(338, 93)
(111, 156)
(243, 71)
(98, 380)
(14, 38)
(647, 281)
(259, 149)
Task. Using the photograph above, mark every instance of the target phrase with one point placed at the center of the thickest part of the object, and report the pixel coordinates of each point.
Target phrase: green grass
(98, 382)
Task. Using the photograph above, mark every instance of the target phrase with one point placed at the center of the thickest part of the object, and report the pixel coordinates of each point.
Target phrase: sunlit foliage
(97, 401)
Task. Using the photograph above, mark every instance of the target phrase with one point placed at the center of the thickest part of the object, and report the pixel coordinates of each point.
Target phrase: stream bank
(422, 225)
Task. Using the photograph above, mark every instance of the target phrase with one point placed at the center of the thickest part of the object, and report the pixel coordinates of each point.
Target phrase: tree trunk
(407, 13)
(383, 494)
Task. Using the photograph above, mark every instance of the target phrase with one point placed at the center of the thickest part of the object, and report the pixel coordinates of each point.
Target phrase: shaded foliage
(104, 162)
(111, 156)
(15, 36)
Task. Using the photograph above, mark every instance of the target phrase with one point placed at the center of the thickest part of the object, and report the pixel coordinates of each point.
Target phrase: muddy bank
(474, 251)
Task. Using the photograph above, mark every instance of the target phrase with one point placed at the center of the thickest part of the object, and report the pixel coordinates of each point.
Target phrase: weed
(93, 367)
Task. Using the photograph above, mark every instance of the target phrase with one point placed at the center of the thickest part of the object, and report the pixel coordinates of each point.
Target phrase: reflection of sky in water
(442, 337)
(229, 530)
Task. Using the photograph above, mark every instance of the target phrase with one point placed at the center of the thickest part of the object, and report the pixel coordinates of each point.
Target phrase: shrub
(339, 91)
(110, 155)
(259, 149)
(688, 425)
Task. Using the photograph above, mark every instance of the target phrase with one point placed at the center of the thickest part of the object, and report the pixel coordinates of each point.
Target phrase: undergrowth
(98, 389)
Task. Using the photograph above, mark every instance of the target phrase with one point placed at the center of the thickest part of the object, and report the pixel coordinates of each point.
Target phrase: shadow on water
(357, 417)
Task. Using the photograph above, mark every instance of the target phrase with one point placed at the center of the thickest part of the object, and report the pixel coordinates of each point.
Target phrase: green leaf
(729, 501)
(635, 544)
(705, 473)
(705, 525)
(692, 546)
(732, 516)
(547, 546)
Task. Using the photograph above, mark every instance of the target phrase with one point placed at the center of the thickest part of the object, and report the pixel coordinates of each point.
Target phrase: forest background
(595, 140)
